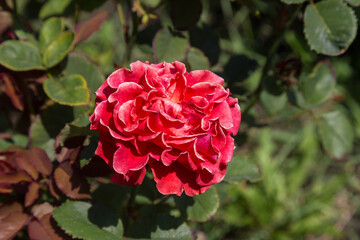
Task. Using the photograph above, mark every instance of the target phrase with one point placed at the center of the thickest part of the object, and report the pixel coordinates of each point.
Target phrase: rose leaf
(330, 26)
(20, 56)
(89, 221)
(70, 90)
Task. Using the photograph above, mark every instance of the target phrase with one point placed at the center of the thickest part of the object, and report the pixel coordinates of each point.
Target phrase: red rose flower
(175, 122)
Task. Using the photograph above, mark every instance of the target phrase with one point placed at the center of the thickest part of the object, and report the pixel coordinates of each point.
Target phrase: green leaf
(355, 3)
(26, 36)
(168, 47)
(336, 133)
(206, 39)
(330, 26)
(192, 8)
(88, 221)
(86, 28)
(241, 168)
(79, 64)
(70, 130)
(239, 68)
(53, 7)
(159, 225)
(197, 60)
(44, 129)
(273, 103)
(50, 31)
(201, 207)
(20, 56)
(181, 232)
(150, 3)
(115, 196)
(41, 138)
(70, 90)
(317, 86)
(293, 1)
(20, 139)
(58, 49)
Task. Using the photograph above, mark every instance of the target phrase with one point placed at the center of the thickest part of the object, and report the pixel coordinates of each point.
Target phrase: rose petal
(174, 179)
(235, 113)
(105, 150)
(102, 111)
(205, 147)
(170, 155)
(127, 159)
(180, 67)
(228, 150)
(199, 102)
(218, 141)
(205, 178)
(177, 88)
(125, 75)
(131, 178)
(125, 92)
(222, 112)
(203, 76)
(103, 92)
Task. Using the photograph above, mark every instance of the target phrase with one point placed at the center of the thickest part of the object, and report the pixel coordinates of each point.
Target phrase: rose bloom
(176, 123)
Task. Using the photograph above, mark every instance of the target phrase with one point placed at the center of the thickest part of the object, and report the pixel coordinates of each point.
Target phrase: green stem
(162, 200)
(77, 13)
(268, 63)
(29, 101)
(130, 208)
(131, 201)
(15, 8)
(133, 37)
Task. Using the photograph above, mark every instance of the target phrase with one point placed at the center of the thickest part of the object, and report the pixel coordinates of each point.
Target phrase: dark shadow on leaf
(97, 167)
(55, 117)
(207, 41)
(114, 196)
(183, 203)
(146, 35)
(102, 216)
(239, 67)
(154, 221)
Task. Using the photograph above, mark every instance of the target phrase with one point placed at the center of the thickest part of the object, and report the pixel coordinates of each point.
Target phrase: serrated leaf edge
(352, 13)
(23, 69)
(70, 104)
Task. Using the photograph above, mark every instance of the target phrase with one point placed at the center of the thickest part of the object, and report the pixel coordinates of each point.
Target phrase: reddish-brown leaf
(5, 166)
(9, 208)
(70, 181)
(54, 190)
(40, 160)
(32, 193)
(46, 228)
(12, 223)
(12, 91)
(39, 210)
(36, 231)
(5, 135)
(5, 21)
(14, 177)
(70, 151)
(23, 163)
(5, 188)
(85, 29)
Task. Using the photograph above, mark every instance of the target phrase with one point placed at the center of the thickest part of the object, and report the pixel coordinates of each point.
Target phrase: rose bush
(175, 122)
